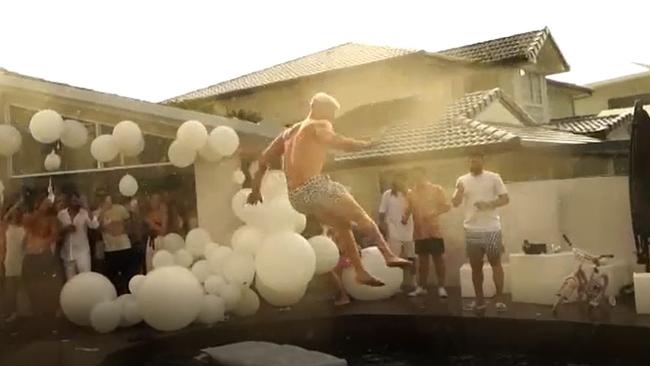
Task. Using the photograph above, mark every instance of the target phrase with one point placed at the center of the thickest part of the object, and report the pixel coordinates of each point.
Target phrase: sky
(154, 50)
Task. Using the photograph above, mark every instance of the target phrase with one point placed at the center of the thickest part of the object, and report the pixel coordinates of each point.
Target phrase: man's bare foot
(394, 261)
(343, 300)
(369, 280)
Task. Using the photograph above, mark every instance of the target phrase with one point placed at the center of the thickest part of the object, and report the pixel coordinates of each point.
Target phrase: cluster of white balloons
(192, 139)
(127, 139)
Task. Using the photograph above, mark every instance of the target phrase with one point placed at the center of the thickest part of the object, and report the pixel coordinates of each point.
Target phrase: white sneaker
(419, 291)
(442, 292)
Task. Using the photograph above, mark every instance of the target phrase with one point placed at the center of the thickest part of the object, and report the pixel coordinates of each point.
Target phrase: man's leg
(70, 267)
(349, 210)
(345, 240)
(495, 249)
(475, 255)
(423, 269)
(441, 272)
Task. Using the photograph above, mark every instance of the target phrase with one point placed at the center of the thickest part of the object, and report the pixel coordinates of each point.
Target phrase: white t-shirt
(393, 208)
(76, 242)
(485, 187)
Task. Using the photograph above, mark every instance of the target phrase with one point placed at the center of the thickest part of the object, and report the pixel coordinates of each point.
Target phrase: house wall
(560, 103)
(541, 209)
(597, 102)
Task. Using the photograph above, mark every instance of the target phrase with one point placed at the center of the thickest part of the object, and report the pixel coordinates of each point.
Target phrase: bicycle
(590, 289)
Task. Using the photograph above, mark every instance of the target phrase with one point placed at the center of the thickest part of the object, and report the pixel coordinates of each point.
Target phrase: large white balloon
(162, 258)
(201, 270)
(180, 155)
(125, 301)
(173, 242)
(224, 140)
(196, 240)
(300, 222)
(250, 214)
(74, 134)
(239, 269)
(134, 150)
(46, 126)
(81, 293)
(106, 316)
(209, 154)
(183, 258)
(135, 282)
(248, 304)
(374, 263)
(131, 314)
(170, 298)
(128, 186)
(209, 248)
(217, 257)
(327, 253)
(278, 215)
(247, 240)
(231, 294)
(212, 309)
(279, 298)
(285, 262)
(128, 136)
(52, 162)
(274, 184)
(213, 284)
(192, 134)
(10, 140)
(103, 148)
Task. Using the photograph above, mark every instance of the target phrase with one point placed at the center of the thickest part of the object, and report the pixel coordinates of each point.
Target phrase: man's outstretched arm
(272, 152)
(326, 135)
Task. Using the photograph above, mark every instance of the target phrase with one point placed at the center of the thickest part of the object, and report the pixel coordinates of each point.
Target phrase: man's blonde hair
(324, 100)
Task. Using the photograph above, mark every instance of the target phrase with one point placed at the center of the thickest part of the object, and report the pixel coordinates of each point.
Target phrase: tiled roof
(519, 47)
(458, 128)
(591, 124)
(339, 57)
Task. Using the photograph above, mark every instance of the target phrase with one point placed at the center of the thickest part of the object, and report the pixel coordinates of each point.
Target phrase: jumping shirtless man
(303, 148)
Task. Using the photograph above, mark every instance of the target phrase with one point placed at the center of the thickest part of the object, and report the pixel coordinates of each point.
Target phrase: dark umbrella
(639, 182)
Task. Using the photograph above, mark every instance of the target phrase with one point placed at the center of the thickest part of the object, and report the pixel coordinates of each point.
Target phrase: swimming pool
(412, 340)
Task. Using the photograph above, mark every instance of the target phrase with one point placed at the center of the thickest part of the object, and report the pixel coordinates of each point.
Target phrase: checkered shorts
(479, 244)
(317, 193)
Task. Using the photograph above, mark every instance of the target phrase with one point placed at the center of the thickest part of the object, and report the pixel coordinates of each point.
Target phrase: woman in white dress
(13, 258)
(75, 253)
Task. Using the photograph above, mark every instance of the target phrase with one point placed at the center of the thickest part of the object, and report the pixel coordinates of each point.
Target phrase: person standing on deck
(75, 221)
(482, 192)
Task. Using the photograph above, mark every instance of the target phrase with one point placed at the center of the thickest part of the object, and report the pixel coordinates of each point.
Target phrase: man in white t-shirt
(398, 235)
(482, 192)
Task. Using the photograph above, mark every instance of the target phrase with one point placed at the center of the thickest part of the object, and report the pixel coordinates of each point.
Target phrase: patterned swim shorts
(479, 244)
(317, 193)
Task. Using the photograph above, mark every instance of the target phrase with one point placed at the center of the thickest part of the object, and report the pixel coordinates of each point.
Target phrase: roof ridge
(492, 40)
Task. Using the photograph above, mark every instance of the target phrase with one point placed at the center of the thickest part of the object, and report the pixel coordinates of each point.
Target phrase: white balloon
(135, 282)
(122, 301)
(239, 269)
(248, 304)
(128, 136)
(278, 215)
(105, 317)
(162, 258)
(131, 314)
(209, 248)
(74, 134)
(285, 262)
(274, 184)
(170, 298)
(128, 186)
(238, 177)
(196, 240)
(52, 162)
(213, 284)
(81, 293)
(46, 126)
(217, 257)
(327, 253)
(224, 140)
(300, 223)
(201, 270)
(192, 134)
(247, 240)
(173, 242)
(374, 263)
(183, 258)
(212, 310)
(134, 150)
(103, 148)
(10, 140)
(180, 155)
(279, 298)
(250, 214)
(231, 294)
(209, 154)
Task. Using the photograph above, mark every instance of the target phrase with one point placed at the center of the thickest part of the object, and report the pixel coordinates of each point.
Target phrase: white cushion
(270, 354)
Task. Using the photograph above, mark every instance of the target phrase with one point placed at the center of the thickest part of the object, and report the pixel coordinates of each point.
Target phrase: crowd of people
(47, 239)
